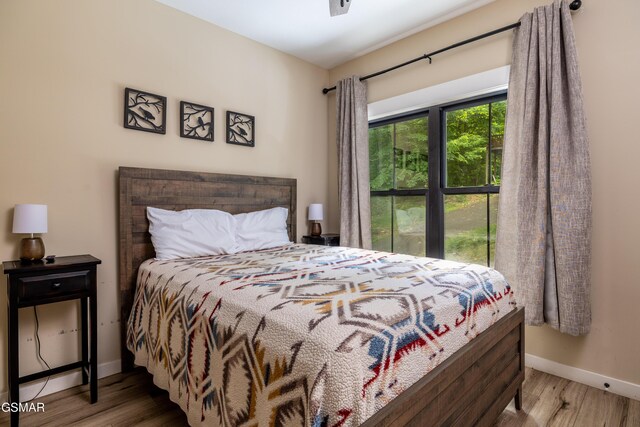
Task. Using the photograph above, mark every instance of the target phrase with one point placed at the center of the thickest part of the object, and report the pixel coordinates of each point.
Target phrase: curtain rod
(575, 5)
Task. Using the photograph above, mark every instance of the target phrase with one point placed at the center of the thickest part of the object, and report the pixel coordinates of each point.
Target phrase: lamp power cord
(39, 354)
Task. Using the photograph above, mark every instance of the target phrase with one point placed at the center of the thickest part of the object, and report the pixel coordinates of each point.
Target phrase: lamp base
(31, 249)
(316, 229)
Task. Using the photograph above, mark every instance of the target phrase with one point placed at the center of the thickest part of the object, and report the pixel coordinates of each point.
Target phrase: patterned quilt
(304, 335)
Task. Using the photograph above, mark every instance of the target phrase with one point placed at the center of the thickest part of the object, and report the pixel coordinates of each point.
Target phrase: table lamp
(315, 215)
(30, 219)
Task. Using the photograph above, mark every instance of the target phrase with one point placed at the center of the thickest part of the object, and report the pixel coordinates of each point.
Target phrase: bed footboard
(472, 387)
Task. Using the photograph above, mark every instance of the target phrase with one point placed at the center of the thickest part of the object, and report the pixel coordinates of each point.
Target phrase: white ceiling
(304, 28)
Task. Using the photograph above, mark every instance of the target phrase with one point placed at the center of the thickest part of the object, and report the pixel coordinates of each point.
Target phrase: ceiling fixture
(339, 7)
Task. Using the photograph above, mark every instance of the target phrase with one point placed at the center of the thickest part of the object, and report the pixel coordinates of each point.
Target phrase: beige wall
(63, 68)
(607, 37)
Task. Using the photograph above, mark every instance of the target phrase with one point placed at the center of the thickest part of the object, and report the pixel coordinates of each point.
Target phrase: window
(435, 179)
(398, 167)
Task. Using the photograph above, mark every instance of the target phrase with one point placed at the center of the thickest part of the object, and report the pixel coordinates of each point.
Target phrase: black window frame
(437, 169)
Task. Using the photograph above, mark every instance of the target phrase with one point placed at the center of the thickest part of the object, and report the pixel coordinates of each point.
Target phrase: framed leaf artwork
(241, 129)
(145, 111)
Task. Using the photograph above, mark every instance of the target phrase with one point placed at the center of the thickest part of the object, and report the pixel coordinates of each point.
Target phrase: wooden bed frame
(472, 387)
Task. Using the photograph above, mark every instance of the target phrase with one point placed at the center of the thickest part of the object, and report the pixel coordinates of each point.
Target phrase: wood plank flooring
(553, 401)
(123, 400)
(133, 400)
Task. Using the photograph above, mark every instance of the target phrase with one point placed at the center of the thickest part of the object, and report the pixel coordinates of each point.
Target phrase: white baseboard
(61, 382)
(623, 388)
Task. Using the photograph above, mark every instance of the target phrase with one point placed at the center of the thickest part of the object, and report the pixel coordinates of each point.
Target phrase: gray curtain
(353, 163)
(544, 219)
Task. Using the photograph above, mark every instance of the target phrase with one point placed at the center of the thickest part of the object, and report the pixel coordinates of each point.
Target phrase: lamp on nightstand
(30, 219)
(315, 215)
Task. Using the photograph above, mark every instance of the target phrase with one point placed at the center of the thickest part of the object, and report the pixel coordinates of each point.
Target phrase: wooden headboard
(178, 190)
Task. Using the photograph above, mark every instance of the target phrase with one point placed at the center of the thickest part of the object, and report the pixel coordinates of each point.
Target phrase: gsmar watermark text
(22, 407)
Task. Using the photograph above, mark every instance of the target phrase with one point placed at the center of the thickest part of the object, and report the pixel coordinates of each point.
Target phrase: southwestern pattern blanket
(301, 334)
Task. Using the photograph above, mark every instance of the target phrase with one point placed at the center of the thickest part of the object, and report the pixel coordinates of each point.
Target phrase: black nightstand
(66, 278)
(324, 239)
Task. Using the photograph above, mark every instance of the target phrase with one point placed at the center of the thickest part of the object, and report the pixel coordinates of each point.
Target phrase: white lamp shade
(315, 212)
(29, 219)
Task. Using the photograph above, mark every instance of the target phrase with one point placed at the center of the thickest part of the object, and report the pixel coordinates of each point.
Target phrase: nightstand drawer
(51, 285)
(325, 239)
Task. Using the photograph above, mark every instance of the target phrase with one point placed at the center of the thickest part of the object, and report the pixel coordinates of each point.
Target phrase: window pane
(409, 233)
(381, 223)
(498, 112)
(465, 228)
(381, 157)
(493, 221)
(411, 153)
(467, 139)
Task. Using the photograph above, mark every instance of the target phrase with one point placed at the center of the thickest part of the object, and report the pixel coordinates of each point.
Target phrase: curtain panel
(353, 163)
(544, 219)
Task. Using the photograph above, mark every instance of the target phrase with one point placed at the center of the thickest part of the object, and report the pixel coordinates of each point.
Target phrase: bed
(470, 384)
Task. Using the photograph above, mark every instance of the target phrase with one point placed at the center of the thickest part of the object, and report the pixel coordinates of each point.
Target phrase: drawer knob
(55, 285)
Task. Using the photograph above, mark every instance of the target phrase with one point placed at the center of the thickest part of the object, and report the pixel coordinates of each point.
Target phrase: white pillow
(191, 233)
(262, 229)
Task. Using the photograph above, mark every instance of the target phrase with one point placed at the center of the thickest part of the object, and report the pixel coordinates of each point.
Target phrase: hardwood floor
(127, 400)
(553, 401)
(123, 400)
